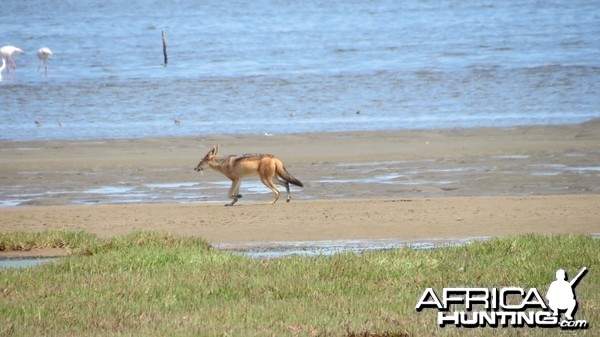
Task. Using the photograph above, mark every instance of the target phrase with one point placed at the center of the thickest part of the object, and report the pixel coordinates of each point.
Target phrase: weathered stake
(164, 40)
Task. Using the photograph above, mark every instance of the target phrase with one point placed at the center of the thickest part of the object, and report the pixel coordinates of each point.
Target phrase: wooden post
(164, 41)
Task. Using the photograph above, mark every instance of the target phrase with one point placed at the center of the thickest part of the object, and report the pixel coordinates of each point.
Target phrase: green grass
(77, 242)
(153, 284)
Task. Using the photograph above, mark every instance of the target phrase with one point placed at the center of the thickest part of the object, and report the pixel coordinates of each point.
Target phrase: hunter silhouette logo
(561, 294)
(504, 307)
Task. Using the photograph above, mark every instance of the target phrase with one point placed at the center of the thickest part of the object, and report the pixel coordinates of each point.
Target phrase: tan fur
(269, 168)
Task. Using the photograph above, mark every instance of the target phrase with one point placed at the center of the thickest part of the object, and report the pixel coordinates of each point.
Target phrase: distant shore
(392, 184)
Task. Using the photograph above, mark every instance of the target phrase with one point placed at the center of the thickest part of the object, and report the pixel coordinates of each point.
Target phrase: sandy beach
(358, 185)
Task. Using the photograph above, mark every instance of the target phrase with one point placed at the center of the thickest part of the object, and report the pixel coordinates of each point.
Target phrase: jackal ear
(214, 150)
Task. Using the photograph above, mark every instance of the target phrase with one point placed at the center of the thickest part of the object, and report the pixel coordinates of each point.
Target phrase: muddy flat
(358, 185)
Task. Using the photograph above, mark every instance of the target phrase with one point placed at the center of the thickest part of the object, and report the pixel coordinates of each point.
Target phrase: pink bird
(43, 54)
(6, 53)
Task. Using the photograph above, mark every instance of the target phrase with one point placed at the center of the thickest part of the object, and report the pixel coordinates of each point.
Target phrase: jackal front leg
(234, 191)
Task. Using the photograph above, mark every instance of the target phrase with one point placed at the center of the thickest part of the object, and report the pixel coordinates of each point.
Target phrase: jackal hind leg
(271, 186)
(285, 184)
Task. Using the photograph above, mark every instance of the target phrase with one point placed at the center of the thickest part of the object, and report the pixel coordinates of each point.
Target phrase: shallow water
(271, 250)
(244, 67)
(25, 262)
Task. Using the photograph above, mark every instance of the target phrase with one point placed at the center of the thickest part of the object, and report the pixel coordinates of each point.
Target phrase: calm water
(244, 67)
(279, 249)
(25, 262)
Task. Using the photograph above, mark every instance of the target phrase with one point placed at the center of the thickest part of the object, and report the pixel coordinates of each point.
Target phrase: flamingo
(7, 52)
(43, 54)
(2, 68)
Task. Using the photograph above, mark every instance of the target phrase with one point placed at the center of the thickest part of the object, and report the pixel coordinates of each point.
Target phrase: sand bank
(358, 185)
(407, 219)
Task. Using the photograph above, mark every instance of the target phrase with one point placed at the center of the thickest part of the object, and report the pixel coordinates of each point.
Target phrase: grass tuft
(24, 241)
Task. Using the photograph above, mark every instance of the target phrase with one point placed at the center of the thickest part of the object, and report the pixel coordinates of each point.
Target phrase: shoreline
(594, 122)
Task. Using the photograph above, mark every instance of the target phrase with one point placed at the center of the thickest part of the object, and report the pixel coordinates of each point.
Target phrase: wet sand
(358, 185)
(407, 219)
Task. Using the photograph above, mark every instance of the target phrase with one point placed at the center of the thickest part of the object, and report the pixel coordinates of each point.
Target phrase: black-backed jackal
(269, 168)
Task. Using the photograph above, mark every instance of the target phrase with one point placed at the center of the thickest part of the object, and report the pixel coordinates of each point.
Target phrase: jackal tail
(285, 175)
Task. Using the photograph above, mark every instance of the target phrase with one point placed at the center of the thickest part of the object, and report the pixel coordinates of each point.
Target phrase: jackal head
(205, 162)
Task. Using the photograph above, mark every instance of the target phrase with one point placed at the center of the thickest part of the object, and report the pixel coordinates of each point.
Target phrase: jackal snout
(205, 161)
